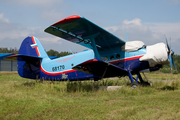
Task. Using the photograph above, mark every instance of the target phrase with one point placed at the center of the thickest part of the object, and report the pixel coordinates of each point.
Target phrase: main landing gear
(135, 83)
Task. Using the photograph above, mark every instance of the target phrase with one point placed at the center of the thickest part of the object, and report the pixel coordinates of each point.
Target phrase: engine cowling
(156, 55)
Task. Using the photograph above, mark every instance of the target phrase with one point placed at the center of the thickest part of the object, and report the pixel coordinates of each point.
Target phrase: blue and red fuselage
(42, 67)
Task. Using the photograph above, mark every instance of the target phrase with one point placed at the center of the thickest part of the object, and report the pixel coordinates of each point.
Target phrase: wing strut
(104, 71)
(94, 44)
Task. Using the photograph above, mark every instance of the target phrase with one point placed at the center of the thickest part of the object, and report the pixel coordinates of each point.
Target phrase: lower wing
(100, 68)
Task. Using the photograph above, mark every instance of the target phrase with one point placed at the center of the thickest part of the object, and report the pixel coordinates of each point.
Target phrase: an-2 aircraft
(107, 56)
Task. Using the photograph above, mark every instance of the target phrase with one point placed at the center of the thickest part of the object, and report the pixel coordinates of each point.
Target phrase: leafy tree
(51, 52)
(56, 53)
(6, 50)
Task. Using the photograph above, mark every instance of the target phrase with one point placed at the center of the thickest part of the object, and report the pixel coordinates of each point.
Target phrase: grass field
(30, 99)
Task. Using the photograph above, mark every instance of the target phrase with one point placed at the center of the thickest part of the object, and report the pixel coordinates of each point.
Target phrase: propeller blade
(170, 53)
(174, 63)
(170, 42)
(170, 61)
(167, 44)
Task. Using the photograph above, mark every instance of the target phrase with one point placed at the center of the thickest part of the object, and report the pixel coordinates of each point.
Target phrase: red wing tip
(68, 19)
(12, 56)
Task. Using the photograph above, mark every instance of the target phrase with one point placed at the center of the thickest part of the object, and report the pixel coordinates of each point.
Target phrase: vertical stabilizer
(31, 46)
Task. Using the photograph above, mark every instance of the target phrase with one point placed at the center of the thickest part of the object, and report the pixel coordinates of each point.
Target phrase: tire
(134, 85)
(96, 79)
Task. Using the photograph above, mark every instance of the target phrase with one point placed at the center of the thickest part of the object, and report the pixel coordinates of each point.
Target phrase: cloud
(135, 21)
(153, 30)
(134, 24)
(149, 33)
(12, 34)
(169, 29)
(135, 30)
(2, 19)
(11, 30)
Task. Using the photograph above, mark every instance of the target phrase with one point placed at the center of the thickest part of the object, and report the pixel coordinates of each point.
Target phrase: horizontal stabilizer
(22, 58)
(100, 68)
(4, 55)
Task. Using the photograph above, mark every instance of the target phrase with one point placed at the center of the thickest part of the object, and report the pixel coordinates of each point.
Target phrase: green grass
(162, 76)
(30, 99)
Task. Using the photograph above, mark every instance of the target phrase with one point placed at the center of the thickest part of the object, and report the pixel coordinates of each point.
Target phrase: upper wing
(100, 68)
(79, 30)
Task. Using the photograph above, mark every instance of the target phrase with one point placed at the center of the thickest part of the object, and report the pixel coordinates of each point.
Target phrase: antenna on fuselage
(126, 36)
(71, 51)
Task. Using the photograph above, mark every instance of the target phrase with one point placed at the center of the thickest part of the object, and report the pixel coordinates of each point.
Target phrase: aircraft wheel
(96, 79)
(134, 85)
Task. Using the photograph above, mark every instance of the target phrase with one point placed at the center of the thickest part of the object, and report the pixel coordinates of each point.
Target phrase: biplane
(107, 55)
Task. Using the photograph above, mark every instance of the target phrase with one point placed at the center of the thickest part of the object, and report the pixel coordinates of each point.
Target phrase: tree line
(166, 68)
(56, 53)
(11, 50)
(50, 52)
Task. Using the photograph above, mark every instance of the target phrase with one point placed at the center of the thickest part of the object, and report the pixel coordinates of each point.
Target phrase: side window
(112, 57)
(105, 58)
(118, 56)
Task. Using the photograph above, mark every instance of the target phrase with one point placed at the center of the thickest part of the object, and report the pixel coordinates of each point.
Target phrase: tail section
(30, 54)
(32, 47)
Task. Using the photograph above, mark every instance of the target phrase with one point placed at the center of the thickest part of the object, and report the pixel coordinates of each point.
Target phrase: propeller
(170, 53)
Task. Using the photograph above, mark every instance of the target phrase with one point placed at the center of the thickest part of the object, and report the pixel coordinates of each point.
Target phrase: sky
(145, 20)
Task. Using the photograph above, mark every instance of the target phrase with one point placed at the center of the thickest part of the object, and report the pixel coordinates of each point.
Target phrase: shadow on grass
(80, 86)
(167, 87)
(29, 84)
(174, 86)
(88, 86)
